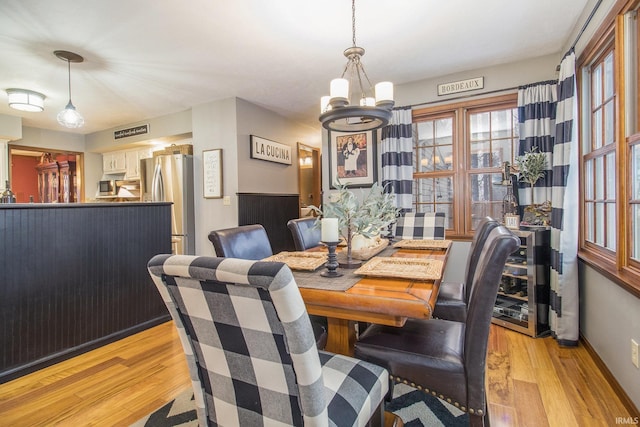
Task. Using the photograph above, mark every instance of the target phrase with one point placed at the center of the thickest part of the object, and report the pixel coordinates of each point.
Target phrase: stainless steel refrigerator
(169, 178)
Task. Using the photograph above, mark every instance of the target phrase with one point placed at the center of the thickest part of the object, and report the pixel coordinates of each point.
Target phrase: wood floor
(531, 382)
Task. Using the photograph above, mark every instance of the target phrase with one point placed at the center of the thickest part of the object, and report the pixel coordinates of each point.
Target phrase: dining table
(364, 295)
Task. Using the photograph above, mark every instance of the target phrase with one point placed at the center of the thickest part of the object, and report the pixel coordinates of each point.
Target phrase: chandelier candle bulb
(339, 90)
(384, 92)
(329, 230)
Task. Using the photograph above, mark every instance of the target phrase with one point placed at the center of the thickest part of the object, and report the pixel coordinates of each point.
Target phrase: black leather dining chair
(252, 242)
(453, 296)
(305, 233)
(445, 358)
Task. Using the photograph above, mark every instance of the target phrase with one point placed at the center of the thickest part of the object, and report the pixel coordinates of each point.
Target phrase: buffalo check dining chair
(420, 225)
(251, 351)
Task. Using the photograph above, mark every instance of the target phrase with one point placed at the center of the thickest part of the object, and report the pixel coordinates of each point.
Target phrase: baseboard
(52, 359)
(617, 388)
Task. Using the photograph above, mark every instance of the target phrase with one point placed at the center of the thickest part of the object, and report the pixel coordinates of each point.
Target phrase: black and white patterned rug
(414, 407)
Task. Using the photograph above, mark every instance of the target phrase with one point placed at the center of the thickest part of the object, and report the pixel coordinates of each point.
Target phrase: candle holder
(332, 261)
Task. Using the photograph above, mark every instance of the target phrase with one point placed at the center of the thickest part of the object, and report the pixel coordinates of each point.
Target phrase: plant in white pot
(364, 216)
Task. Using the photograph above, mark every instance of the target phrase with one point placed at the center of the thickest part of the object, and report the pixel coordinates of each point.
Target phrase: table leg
(341, 336)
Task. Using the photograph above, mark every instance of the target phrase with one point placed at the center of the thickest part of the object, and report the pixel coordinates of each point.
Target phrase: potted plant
(531, 167)
(366, 216)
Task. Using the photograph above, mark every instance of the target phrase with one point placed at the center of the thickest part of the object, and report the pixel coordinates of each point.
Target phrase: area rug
(414, 407)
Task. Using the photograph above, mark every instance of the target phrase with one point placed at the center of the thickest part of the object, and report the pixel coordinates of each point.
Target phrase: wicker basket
(175, 149)
(368, 252)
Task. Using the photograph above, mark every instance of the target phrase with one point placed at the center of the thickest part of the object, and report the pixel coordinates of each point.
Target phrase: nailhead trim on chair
(472, 411)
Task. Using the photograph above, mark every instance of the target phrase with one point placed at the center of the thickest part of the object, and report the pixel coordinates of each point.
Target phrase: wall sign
(212, 168)
(137, 130)
(460, 86)
(270, 151)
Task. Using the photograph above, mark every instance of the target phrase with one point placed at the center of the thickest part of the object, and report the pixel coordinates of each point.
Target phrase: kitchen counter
(75, 278)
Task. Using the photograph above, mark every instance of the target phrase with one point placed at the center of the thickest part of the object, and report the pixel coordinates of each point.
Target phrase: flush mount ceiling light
(69, 117)
(351, 106)
(25, 100)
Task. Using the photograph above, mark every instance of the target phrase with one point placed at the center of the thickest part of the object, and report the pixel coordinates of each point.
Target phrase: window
(609, 97)
(458, 155)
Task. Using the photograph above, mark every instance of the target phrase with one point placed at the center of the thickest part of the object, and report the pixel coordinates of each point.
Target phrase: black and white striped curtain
(536, 116)
(564, 316)
(397, 158)
(547, 115)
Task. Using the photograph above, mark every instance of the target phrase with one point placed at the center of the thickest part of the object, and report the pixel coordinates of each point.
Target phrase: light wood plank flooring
(531, 382)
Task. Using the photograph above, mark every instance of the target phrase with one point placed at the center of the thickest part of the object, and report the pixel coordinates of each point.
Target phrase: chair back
(244, 242)
(485, 226)
(306, 234)
(500, 243)
(248, 340)
(422, 225)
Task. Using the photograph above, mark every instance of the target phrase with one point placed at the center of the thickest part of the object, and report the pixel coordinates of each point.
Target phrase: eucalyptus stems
(531, 167)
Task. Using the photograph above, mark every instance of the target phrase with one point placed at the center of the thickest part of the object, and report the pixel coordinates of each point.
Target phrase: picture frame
(356, 166)
(212, 173)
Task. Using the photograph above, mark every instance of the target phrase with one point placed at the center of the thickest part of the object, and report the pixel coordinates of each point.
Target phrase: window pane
(425, 159)
(635, 172)
(502, 152)
(479, 126)
(443, 159)
(596, 91)
(611, 226)
(501, 126)
(611, 176)
(588, 180)
(599, 219)
(635, 220)
(444, 131)
(599, 178)
(444, 190)
(480, 155)
(608, 123)
(425, 132)
(597, 129)
(425, 191)
(608, 76)
(589, 226)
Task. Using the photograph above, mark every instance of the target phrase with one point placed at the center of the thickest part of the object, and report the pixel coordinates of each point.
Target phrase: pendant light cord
(353, 20)
(69, 74)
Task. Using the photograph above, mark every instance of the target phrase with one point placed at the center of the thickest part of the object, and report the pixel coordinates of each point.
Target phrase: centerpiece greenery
(366, 215)
(531, 167)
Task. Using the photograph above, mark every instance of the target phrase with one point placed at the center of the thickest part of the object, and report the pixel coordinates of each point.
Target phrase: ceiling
(148, 58)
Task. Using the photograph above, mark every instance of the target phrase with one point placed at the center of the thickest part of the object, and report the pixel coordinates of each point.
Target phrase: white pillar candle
(384, 92)
(339, 88)
(329, 230)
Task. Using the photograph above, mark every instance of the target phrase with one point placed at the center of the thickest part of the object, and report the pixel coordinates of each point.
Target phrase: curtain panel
(397, 158)
(564, 316)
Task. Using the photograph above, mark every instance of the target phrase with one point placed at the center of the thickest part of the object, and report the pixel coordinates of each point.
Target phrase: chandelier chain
(353, 20)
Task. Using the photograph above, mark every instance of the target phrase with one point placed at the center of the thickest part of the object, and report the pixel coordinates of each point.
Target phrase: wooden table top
(388, 301)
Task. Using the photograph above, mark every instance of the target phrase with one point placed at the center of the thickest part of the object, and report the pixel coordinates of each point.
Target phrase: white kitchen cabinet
(114, 162)
(133, 164)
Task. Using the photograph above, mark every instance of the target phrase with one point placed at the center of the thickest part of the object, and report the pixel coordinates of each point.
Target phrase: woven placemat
(405, 268)
(423, 244)
(313, 279)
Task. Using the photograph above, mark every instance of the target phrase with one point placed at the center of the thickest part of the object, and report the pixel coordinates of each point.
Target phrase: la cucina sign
(270, 151)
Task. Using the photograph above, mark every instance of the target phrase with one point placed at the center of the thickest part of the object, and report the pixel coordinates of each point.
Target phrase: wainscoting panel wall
(75, 277)
(272, 211)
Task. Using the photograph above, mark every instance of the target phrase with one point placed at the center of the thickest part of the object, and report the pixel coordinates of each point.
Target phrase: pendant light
(351, 105)
(69, 117)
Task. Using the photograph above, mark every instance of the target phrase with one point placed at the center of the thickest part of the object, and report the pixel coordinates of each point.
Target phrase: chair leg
(478, 420)
(377, 419)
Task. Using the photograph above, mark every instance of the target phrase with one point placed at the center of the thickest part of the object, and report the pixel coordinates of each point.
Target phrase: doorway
(309, 178)
(43, 175)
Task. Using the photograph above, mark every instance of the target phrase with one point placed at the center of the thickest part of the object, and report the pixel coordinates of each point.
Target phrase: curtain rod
(586, 24)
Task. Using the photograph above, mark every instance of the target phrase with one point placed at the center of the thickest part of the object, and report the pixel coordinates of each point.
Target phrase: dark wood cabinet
(56, 181)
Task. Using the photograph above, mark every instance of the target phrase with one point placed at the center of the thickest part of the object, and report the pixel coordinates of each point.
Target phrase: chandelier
(69, 117)
(351, 105)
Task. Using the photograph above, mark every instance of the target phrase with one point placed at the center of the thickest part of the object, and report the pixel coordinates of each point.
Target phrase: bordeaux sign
(138, 130)
(460, 86)
(270, 151)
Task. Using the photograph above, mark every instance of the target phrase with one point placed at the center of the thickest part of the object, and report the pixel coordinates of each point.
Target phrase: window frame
(462, 227)
(617, 265)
